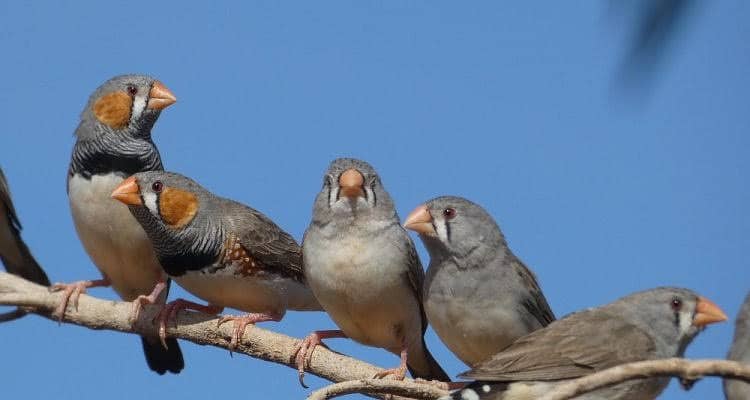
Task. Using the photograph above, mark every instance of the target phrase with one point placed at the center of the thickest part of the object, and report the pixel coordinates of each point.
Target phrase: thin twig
(687, 369)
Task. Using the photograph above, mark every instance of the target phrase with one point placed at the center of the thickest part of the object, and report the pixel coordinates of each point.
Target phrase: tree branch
(354, 375)
(406, 388)
(192, 326)
(687, 369)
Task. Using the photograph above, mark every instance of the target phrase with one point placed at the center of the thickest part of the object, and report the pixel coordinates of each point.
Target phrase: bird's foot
(170, 310)
(241, 322)
(71, 293)
(304, 349)
(399, 373)
(143, 300)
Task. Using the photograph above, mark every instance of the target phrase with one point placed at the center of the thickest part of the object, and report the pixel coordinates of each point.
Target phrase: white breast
(362, 284)
(112, 237)
(251, 294)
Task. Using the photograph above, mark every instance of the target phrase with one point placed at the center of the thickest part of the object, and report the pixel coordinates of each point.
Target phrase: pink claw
(241, 322)
(170, 310)
(303, 351)
(72, 291)
(143, 300)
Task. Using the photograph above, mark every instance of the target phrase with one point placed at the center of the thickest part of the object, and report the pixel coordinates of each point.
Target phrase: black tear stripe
(447, 230)
(114, 152)
(132, 107)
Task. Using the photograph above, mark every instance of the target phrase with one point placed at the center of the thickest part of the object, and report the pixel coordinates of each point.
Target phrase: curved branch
(687, 369)
(354, 374)
(410, 389)
(192, 326)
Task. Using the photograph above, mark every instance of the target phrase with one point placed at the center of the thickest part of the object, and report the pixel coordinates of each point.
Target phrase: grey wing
(415, 275)
(536, 304)
(267, 242)
(569, 348)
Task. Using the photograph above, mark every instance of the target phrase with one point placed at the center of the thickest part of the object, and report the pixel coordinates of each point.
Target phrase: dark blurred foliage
(656, 26)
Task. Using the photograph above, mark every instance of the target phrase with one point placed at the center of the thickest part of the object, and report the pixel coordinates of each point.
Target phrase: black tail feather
(436, 371)
(162, 360)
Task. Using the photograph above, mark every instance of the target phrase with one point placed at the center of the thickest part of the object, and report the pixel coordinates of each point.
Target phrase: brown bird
(648, 325)
(217, 249)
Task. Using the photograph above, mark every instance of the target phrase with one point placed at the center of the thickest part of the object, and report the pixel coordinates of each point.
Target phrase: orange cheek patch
(114, 109)
(177, 207)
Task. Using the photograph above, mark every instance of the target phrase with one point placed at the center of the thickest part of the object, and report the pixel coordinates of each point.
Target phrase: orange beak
(128, 192)
(706, 312)
(420, 221)
(160, 97)
(351, 182)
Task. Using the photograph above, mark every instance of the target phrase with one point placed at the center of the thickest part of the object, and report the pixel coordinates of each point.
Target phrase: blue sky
(601, 191)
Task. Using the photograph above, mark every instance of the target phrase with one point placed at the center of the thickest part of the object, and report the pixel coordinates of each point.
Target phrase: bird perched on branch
(478, 296)
(14, 253)
(648, 325)
(113, 141)
(217, 249)
(740, 351)
(364, 270)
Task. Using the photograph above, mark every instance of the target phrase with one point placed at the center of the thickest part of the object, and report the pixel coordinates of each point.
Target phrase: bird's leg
(142, 300)
(241, 322)
(399, 372)
(304, 349)
(71, 291)
(170, 310)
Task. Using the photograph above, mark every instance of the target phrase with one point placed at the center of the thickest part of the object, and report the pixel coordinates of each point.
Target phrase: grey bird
(364, 270)
(217, 249)
(648, 325)
(14, 253)
(113, 141)
(478, 296)
(740, 351)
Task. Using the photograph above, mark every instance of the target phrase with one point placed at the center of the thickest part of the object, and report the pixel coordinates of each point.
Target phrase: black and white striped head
(352, 190)
(179, 216)
(452, 226)
(124, 104)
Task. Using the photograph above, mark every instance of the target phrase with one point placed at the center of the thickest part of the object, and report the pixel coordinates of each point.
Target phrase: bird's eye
(449, 213)
(157, 186)
(676, 304)
(132, 90)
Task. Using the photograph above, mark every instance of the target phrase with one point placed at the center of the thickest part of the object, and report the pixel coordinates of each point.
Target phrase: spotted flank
(237, 259)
